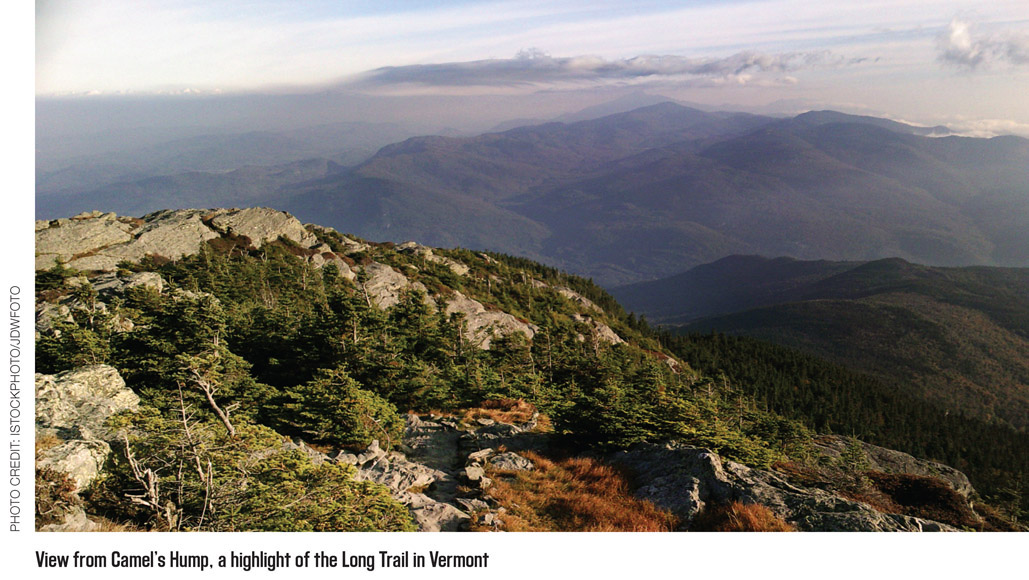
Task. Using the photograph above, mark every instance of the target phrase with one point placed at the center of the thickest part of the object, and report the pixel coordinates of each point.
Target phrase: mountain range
(643, 194)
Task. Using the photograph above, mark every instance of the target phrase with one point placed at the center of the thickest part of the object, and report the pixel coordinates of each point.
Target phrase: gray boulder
(472, 504)
(262, 225)
(350, 245)
(480, 455)
(170, 234)
(473, 473)
(77, 402)
(481, 324)
(393, 470)
(427, 254)
(322, 259)
(81, 460)
(97, 242)
(74, 521)
(48, 315)
(576, 297)
(435, 516)
(385, 285)
(599, 330)
(316, 457)
(511, 462)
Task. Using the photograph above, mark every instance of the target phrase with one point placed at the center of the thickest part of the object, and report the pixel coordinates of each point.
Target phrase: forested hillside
(271, 360)
(831, 398)
(958, 337)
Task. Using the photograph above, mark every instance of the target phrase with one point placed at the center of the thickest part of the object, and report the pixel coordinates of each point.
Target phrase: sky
(961, 63)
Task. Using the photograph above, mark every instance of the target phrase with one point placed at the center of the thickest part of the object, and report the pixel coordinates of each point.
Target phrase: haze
(471, 65)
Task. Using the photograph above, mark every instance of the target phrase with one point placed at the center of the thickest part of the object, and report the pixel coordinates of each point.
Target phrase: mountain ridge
(957, 336)
(646, 193)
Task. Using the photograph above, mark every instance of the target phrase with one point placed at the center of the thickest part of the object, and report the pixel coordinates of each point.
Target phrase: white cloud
(987, 127)
(963, 46)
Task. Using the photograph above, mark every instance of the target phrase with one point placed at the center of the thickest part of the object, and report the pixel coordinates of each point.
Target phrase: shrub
(334, 409)
(55, 496)
(207, 480)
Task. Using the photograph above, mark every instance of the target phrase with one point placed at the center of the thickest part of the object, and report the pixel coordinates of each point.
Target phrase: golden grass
(511, 411)
(573, 495)
(44, 442)
(500, 410)
(739, 517)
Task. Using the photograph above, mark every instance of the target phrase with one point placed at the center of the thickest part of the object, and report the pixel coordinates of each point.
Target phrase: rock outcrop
(262, 225)
(683, 479)
(598, 330)
(893, 461)
(324, 257)
(98, 242)
(75, 404)
(81, 460)
(426, 253)
(385, 285)
(481, 325)
(72, 407)
(577, 298)
(78, 238)
(440, 471)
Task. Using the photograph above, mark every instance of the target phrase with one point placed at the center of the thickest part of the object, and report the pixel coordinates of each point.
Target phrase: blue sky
(928, 61)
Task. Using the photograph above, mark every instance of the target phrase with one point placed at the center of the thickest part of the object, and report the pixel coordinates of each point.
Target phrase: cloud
(534, 69)
(961, 46)
(985, 128)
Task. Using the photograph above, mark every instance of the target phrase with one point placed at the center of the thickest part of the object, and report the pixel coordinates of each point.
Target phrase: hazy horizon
(470, 65)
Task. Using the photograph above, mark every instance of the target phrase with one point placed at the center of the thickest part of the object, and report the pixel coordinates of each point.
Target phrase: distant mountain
(248, 185)
(729, 285)
(489, 186)
(624, 104)
(646, 193)
(956, 336)
(817, 118)
(63, 169)
(515, 124)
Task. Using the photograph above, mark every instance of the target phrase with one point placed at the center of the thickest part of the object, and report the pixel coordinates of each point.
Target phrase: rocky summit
(98, 242)
(201, 368)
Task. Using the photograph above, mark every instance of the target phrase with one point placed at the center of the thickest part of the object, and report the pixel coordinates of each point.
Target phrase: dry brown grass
(739, 517)
(873, 498)
(44, 442)
(573, 495)
(505, 411)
